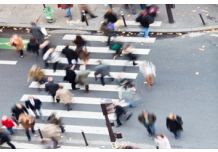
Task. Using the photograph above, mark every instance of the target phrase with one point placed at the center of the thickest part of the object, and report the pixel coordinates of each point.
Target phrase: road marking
(155, 24)
(111, 62)
(8, 62)
(107, 50)
(77, 100)
(92, 87)
(117, 38)
(115, 75)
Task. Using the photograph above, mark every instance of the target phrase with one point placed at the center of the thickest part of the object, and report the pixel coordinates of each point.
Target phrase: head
(141, 118)
(4, 117)
(30, 97)
(172, 116)
(50, 79)
(18, 105)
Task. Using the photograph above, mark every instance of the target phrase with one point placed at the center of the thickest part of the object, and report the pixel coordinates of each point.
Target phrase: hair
(141, 118)
(32, 40)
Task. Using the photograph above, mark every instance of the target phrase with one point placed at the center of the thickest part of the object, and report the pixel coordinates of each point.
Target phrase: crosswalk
(8, 62)
(86, 114)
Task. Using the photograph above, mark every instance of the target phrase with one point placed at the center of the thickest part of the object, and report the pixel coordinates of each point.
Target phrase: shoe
(134, 63)
(93, 16)
(21, 56)
(129, 116)
(76, 88)
(118, 125)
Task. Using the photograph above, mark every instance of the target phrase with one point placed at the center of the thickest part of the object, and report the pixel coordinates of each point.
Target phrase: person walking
(16, 110)
(28, 122)
(80, 43)
(148, 120)
(37, 33)
(85, 8)
(51, 87)
(82, 77)
(53, 57)
(70, 54)
(71, 76)
(67, 8)
(17, 42)
(174, 124)
(102, 70)
(162, 142)
(53, 119)
(4, 138)
(8, 123)
(33, 46)
(64, 96)
(35, 105)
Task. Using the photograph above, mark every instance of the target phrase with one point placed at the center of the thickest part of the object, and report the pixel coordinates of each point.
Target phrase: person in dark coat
(102, 70)
(4, 138)
(51, 88)
(80, 43)
(71, 76)
(174, 124)
(35, 105)
(70, 54)
(33, 46)
(148, 120)
(36, 33)
(110, 16)
(16, 110)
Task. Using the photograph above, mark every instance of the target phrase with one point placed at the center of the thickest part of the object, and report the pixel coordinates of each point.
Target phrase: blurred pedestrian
(174, 124)
(148, 120)
(85, 7)
(52, 56)
(37, 33)
(28, 122)
(51, 88)
(80, 43)
(35, 105)
(82, 77)
(84, 55)
(33, 46)
(53, 119)
(16, 110)
(4, 138)
(102, 70)
(67, 8)
(148, 70)
(64, 96)
(70, 54)
(110, 16)
(17, 42)
(162, 142)
(71, 76)
(8, 123)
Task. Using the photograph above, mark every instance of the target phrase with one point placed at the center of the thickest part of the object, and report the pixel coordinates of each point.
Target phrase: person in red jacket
(8, 123)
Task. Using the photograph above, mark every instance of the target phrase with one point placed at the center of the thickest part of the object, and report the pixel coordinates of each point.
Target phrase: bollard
(44, 6)
(84, 137)
(123, 17)
(84, 15)
(202, 19)
(40, 133)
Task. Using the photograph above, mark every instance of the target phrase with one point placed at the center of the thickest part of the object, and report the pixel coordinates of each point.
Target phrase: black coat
(33, 47)
(4, 137)
(16, 111)
(119, 110)
(110, 17)
(37, 34)
(37, 105)
(174, 125)
(71, 54)
(51, 87)
(145, 20)
(70, 75)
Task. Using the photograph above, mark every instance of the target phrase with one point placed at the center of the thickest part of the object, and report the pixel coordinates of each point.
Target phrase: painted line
(7, 62)
(77, 100)
(92, 87)
(115, 75)
(155, 24)
(111, 62)
(107, 50)
(117, 38)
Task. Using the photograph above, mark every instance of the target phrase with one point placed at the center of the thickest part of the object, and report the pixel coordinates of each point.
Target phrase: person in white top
(52, 56)
(162, 142)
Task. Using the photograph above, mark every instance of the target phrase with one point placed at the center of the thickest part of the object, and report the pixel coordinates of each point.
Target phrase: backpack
(116, 46)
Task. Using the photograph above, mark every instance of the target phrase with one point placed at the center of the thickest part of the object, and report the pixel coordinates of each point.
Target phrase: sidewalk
(186, 17)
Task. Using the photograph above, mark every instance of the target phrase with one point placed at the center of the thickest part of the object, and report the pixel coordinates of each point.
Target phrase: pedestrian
(37, 74)
(120, 112)
(85, 8)
(8, 123)
(16, 110)
(84, 55)
(82, 77)
(67, 8)
(162, 142)
(53, 119)
(148, 70)
(37, 33)
(33, 46)
(51, 88)
(4, 138)
(148, 120)
(110, 16)
(80, 43)
(70, 54)
(71, 76)
(117, 47)
(28, 122)
(17, 42)
(35, 105)
(102, 70)
(52, 56)
(64, 96)
(126, 52)
(174, 124)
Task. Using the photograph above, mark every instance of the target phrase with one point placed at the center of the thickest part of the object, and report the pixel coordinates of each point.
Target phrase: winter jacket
(51, 87)
(71, 54)
(37, 34)
(16, 111)
(70, 75)
(174, 125)
(82, 77)
(64, 95)
(26, 121)
(36, 106)
(17, 42)
(8, 123)
(110, 17)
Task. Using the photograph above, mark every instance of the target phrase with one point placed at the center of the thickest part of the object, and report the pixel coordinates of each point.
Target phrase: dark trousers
(68, 106)
(73, 85)
(118, 119)
(28, 133)
(55, 142)
(102, 80)
(10, 144)
(55, 66)
(21, 52)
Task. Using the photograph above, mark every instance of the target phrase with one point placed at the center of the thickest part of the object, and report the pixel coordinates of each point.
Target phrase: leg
(118, 120)
(102, 80)
(87, 88)
(10, 144)
(10, 130)
(55, 66)
(68, 107)
(55, 142)
(28, 134)
(146, 32)
(62, 128)
(21, 53)
(32, 128)
(152, 129)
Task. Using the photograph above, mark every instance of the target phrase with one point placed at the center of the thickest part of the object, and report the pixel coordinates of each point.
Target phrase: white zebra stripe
(8, 62)
(155, 24)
